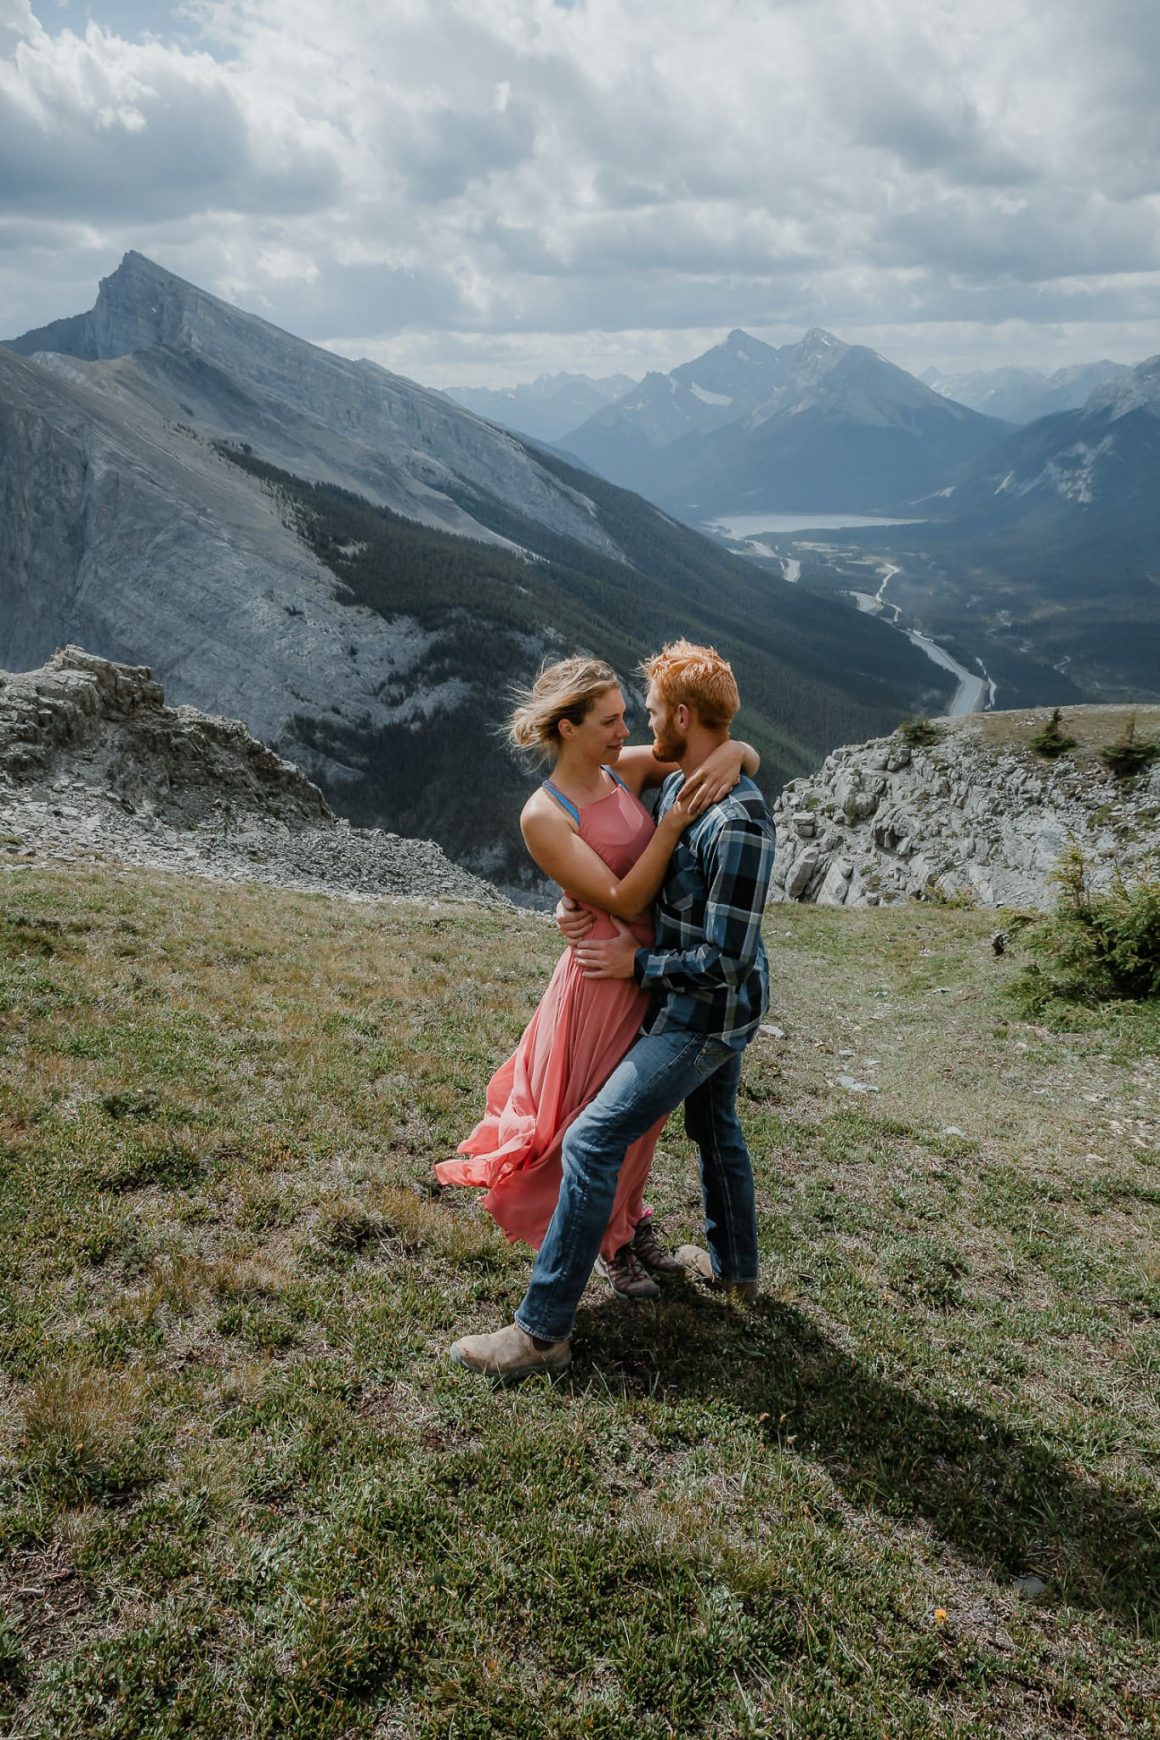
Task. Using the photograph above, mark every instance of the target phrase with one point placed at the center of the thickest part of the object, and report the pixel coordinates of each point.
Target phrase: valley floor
(242, 1492)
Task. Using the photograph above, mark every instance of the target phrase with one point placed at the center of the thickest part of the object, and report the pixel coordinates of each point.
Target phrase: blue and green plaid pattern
(707, 969)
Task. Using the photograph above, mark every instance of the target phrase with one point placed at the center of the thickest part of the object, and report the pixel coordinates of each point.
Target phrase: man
(709, 984)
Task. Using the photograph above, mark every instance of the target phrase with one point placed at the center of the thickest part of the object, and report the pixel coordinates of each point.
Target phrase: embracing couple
(649, 1006)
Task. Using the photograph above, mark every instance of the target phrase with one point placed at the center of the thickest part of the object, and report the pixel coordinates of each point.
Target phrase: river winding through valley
(976, 691)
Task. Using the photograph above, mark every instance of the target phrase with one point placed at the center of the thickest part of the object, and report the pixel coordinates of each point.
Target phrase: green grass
(243, 1493)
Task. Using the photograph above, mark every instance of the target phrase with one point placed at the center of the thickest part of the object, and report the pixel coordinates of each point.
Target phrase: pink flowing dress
(577, 1036)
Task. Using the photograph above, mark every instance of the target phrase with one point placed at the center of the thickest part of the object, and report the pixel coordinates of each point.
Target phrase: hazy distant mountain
(623, 441)
(1095, 468)
(1020, 395)
(545, 408)
(272, 528)
(815, 425)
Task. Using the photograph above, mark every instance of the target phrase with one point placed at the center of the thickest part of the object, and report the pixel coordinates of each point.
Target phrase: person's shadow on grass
(1001, 1496)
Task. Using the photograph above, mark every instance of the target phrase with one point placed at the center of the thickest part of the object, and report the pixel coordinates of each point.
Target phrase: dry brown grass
(1094, 728)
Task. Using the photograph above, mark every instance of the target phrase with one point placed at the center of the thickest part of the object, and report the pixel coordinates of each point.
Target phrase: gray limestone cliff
(974, 814)
(163, 348)
(118, 530)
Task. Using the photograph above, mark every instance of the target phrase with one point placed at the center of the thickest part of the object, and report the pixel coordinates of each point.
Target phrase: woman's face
(602, 733)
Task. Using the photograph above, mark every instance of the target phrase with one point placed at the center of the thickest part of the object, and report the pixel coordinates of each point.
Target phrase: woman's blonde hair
(565, 690)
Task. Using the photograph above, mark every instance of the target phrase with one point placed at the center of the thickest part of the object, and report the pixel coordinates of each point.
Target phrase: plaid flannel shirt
(707, 969)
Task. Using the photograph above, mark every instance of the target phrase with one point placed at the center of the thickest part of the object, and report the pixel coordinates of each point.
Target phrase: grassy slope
(243, 1494)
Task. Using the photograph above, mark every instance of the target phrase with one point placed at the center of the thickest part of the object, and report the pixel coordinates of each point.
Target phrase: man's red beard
(668, 745)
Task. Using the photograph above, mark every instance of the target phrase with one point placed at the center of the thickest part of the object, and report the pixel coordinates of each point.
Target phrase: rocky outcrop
(109, 725)
(961, 816)
(94, 766)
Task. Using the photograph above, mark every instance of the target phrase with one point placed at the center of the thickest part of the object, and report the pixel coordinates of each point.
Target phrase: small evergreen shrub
(1129, 754)
(1051, 740)
(1095, 948)
(919, 732)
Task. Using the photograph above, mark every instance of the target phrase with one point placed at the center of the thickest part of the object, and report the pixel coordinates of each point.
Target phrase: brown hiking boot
(698, 1263)
(510, 1354)
(626, 1277)
(648, 1249)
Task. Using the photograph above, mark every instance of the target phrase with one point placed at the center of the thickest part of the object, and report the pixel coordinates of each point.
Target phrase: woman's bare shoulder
(541, 808)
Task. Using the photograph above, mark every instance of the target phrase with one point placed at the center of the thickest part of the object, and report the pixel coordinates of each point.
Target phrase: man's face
(668, 742)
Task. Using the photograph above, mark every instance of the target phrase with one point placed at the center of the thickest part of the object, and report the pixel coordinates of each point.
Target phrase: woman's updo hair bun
(565, 690)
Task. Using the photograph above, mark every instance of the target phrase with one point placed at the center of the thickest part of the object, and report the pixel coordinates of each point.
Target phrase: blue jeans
(660, 1071)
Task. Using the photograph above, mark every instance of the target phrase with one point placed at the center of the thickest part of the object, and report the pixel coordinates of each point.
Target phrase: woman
(587, 829)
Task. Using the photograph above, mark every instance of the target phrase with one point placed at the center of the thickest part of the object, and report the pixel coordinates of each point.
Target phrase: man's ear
(683, 716)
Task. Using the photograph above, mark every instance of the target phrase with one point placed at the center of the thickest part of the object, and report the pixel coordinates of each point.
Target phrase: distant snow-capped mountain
(622, 439)
(1096, 466)
(1019, 395)
(547, 407)
(819, 424)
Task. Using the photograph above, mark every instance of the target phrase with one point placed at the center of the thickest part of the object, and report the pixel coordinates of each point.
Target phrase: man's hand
(573, 921)
(609, 958)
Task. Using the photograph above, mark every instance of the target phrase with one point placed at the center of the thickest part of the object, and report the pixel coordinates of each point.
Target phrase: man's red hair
(697, 676)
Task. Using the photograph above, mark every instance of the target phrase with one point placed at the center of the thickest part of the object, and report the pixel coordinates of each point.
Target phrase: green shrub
(919, 731)
(1051, 740)
(1095, 948)
(1129, 754)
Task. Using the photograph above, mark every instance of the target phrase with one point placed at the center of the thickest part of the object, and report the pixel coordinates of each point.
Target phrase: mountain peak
(743, 345)
(135, 268)
(132, 260)
(817, 338)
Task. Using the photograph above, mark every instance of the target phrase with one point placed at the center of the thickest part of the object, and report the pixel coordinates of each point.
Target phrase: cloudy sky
(472, 191)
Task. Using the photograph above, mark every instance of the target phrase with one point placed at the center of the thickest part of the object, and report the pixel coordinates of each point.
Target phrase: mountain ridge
(1023, 395)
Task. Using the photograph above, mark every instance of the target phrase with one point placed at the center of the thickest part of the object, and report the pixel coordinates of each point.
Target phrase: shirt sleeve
(739, 861)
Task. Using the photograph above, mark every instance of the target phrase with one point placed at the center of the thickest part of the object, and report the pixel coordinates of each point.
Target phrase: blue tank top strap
(615, 775)
(565, 803)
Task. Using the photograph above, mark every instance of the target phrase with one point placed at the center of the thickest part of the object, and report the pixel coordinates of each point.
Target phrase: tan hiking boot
(510, 1354)
(648, 1249)
(698, 1263)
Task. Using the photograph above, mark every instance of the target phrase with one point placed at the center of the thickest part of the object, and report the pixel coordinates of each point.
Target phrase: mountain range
(546, 408)
(1047, 548)
(1018, 395)
(815, 426)
(360, 568)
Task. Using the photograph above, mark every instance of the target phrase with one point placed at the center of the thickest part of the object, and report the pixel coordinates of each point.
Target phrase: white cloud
(452, 185)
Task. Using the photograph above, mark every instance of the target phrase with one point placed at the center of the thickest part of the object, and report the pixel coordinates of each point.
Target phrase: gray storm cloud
(414, 180)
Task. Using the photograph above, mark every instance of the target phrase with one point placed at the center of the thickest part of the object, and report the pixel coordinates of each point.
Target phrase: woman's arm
(639, 768)
(567, 859)
(720, 771)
